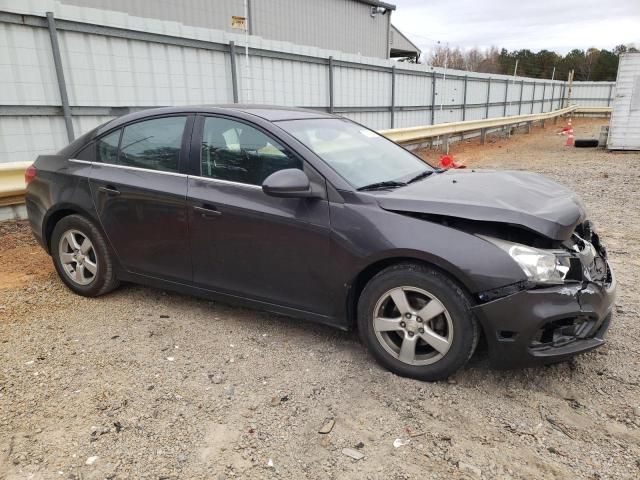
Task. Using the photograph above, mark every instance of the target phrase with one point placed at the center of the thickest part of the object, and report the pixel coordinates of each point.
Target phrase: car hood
(526, 199)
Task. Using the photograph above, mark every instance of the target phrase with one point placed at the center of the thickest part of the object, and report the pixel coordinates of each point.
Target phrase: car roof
(268, 112)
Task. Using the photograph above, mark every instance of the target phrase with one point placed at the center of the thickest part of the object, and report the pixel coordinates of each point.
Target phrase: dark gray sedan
(314, 216)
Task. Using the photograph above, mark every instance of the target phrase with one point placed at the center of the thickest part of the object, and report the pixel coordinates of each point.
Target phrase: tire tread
(107, 277)
(429, 373)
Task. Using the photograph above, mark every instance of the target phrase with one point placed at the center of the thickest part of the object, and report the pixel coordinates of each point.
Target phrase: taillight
(30, 174)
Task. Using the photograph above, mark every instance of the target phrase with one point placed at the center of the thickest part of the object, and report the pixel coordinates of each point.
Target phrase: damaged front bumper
(546, 325)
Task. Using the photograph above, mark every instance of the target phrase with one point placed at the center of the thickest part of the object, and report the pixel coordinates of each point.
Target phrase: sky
(558, 25)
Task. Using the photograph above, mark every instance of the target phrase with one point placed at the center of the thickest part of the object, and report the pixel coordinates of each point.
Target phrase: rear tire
(417, 322)
(81, 257)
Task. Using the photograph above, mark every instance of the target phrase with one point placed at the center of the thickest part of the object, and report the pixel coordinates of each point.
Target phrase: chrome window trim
(199, 177)
(227, 182)
(127, 167)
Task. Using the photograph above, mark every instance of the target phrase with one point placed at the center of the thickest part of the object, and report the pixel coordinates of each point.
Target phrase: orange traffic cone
(566, 129)
(569, 142)
(447, 161)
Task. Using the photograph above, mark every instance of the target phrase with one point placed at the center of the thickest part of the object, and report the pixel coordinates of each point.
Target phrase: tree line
(591, 64)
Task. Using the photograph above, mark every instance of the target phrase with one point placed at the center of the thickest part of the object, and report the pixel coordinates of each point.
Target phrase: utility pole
(444, 76)
(506, 93)
(247, 68)
(571, 73)
(513, 81)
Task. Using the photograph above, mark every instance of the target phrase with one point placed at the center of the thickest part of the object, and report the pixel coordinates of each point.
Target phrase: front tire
(81, 257)
(417, 322)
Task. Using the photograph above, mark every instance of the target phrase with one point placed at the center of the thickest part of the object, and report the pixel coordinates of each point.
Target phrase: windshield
(360, 156)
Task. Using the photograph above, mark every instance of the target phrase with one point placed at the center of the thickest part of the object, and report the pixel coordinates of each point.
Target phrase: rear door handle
(208, 211)
(109, 190)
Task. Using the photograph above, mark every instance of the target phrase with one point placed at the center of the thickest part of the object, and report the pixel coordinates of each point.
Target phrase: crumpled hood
(526, 199)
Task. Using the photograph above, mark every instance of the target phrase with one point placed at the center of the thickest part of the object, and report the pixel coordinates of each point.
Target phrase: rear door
(139, 192)
(243, 241)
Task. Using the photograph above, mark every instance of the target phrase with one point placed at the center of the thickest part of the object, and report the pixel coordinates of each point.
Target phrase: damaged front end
(548, 320)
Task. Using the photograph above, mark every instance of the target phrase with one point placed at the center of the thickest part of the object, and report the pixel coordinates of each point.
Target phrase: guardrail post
(486, 113)
(529, 127)
(483, 135)
(521, 92)
(393, 95)
(464, 99)
(330, 63)
(433, 97)
(444, 146)
(62, 86)
(610, 93)
(234, 72)
(506, 97)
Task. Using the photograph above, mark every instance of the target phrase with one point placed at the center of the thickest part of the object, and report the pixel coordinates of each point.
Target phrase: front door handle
(208, 211)
(109, 190)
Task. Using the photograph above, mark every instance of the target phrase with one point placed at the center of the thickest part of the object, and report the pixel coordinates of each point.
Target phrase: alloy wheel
(412, 325)
(78, 257)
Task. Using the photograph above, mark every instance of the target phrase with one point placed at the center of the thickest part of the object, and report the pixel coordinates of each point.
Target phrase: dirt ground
(143, 383)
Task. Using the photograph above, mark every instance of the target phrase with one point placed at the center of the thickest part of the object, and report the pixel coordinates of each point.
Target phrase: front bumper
(546, 325)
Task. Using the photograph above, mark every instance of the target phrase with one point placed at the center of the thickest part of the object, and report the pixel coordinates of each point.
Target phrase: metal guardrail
(12, 186)
(415, 135)
(595, 110)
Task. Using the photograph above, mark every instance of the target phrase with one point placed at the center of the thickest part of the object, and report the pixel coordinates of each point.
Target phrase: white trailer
(624, 129)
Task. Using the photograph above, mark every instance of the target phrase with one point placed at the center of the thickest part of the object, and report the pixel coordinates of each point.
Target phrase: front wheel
(81, 257)
(417, 322)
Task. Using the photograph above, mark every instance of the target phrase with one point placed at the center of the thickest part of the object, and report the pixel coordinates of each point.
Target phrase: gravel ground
(143, 383)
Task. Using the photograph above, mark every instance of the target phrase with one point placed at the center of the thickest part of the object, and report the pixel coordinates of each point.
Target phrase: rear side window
(107, 147)
(87, 154)
(236, 152)
(153, 144)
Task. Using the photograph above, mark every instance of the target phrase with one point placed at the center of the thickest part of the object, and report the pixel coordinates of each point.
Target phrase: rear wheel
(417, 322)
(81, 257)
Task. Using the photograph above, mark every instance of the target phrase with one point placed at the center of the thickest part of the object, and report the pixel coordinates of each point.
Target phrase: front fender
(475, 263)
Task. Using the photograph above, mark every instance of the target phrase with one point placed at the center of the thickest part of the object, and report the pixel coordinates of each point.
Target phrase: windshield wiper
(422, 175)
(382, 185)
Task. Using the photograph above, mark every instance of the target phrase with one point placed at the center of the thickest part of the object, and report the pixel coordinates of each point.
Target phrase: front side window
(107, 147)
(153, 144)
(236, 152)
(360, 156)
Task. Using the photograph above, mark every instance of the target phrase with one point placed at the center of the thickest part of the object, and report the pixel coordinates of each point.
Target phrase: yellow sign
(238, 22)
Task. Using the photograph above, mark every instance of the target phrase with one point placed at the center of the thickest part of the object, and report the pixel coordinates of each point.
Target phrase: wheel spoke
(386, 324)
(79, 274)
(431, 310)
(438, 342)
(89, 265)
(400, 299)
(71, 240)
(408, 349)
(85, 246)
(66, 258)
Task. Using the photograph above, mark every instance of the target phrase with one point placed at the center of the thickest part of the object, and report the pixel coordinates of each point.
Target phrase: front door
(140, 196)
(247, 243)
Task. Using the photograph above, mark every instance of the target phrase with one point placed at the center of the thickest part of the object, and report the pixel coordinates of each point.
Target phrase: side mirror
(288, 183)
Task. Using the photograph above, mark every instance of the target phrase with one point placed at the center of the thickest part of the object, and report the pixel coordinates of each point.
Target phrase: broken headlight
(540, 266)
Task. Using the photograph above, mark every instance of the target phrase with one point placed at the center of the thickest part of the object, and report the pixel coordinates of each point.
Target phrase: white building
(624, 129)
